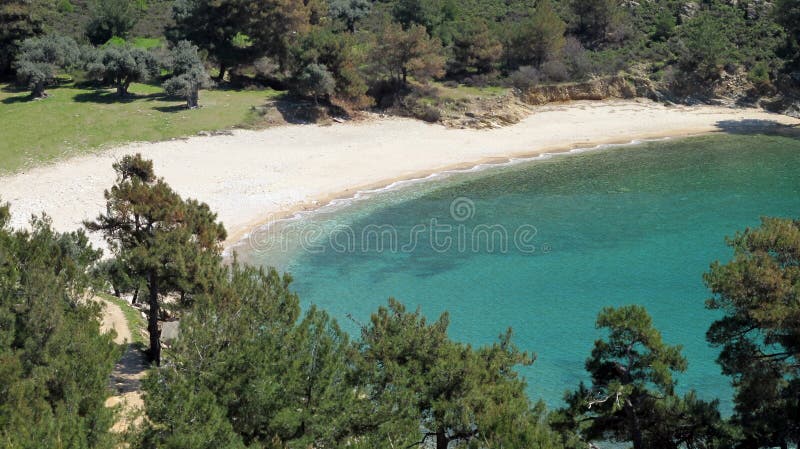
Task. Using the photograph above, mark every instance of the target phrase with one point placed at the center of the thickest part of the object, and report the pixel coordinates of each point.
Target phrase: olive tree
(40, 58)
(188, 74)
(123, 65)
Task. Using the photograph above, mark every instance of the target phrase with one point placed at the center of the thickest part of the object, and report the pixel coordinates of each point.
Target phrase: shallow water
(637, 224)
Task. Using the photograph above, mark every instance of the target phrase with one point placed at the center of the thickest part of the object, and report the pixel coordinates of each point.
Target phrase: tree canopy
(760, 331)
(173, 244)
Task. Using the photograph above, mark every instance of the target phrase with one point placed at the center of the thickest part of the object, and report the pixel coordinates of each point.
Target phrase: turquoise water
(637, 224)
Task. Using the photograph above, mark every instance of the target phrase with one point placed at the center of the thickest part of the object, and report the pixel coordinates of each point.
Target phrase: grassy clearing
(78, 120)
(136, 322)
(468, 92)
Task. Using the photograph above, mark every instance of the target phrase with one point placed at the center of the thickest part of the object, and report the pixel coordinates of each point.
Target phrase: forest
(356, 54)
(251, 369)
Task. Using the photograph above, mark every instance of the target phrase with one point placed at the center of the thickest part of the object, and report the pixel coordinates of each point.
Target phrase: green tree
(760, 331)
(260, 377)
(54, 362)
(340, 55)
(422, 387)
(399, 53)
(538, 39)
(122, 65)
(787, 14)
(188, 74)
(18, 22)
(631, 373)
(427, 13)
(173, 244)
(278, 25)
(214, 26)
(111, 18)
(40, 58)
(349, 12)
(475, 48)
(316, 82)
(704, 45)
(597, 22)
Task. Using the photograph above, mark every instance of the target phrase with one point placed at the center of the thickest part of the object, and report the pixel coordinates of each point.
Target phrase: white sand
(252, 177)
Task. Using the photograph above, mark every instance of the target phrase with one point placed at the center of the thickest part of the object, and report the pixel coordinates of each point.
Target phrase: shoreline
(300, 210)
(251, 178)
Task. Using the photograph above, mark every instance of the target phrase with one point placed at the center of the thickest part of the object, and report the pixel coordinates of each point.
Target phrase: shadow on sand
(758, 126)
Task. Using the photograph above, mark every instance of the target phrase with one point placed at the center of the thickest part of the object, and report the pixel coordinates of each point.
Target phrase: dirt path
(128, 372)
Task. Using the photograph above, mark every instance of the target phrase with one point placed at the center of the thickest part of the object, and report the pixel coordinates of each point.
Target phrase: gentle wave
(361, 195)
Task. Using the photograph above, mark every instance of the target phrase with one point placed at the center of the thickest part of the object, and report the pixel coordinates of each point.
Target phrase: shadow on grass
(758, 126)
(171, 109)
(19, 99)
(14, 89)
(110, 97)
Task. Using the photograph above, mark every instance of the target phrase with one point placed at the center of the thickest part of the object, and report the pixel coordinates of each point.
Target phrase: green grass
(78, 120)
(467, 92)
(136, 322)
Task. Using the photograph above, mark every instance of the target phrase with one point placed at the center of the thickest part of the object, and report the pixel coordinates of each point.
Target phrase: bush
(555, 70)
(315, 81)
(524, 78)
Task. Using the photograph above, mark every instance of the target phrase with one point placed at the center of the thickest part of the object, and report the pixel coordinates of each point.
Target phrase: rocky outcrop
(598, 89)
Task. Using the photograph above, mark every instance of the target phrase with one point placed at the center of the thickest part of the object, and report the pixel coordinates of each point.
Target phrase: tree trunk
(636, 427)
(38, 90)
(405, 76)
(135, 298)
(152, 319)
(441, 440)
(193, 99)
(222, 69)
(122, 89)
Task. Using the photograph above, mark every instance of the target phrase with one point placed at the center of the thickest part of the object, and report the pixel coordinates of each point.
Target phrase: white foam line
(366, 194)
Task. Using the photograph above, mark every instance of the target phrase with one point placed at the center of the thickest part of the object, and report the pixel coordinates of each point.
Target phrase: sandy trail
(251, 177)
(129, 370)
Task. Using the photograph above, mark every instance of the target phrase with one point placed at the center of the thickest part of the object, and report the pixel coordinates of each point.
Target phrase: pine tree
(414, 377)
(175, 245)
(631, 373)
(760, 332)
(17, 23)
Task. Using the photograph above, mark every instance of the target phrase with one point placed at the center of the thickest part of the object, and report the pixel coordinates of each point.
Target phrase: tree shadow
(171, 109)
(758, 126)
(20, 99)
(110, 97)
(299, 112)
(14, 89)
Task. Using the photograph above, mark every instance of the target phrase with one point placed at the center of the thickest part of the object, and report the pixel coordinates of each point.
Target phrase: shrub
(524, 78)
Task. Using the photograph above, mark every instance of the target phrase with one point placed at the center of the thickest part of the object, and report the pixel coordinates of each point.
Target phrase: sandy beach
(252, 177)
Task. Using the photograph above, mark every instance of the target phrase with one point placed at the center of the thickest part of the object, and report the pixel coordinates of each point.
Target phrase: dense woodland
(252, 370)
(358, 53)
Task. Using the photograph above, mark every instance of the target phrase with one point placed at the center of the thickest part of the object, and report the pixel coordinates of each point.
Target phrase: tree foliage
(18, 21)
(121, 65)
(260, 377)
(475, 49)
(400, 53)
(632, 395)
(760, 331)
(188, 74)
(111, 18)
(423, 388)
(54, 362)
(171, 243)
(40, 58)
